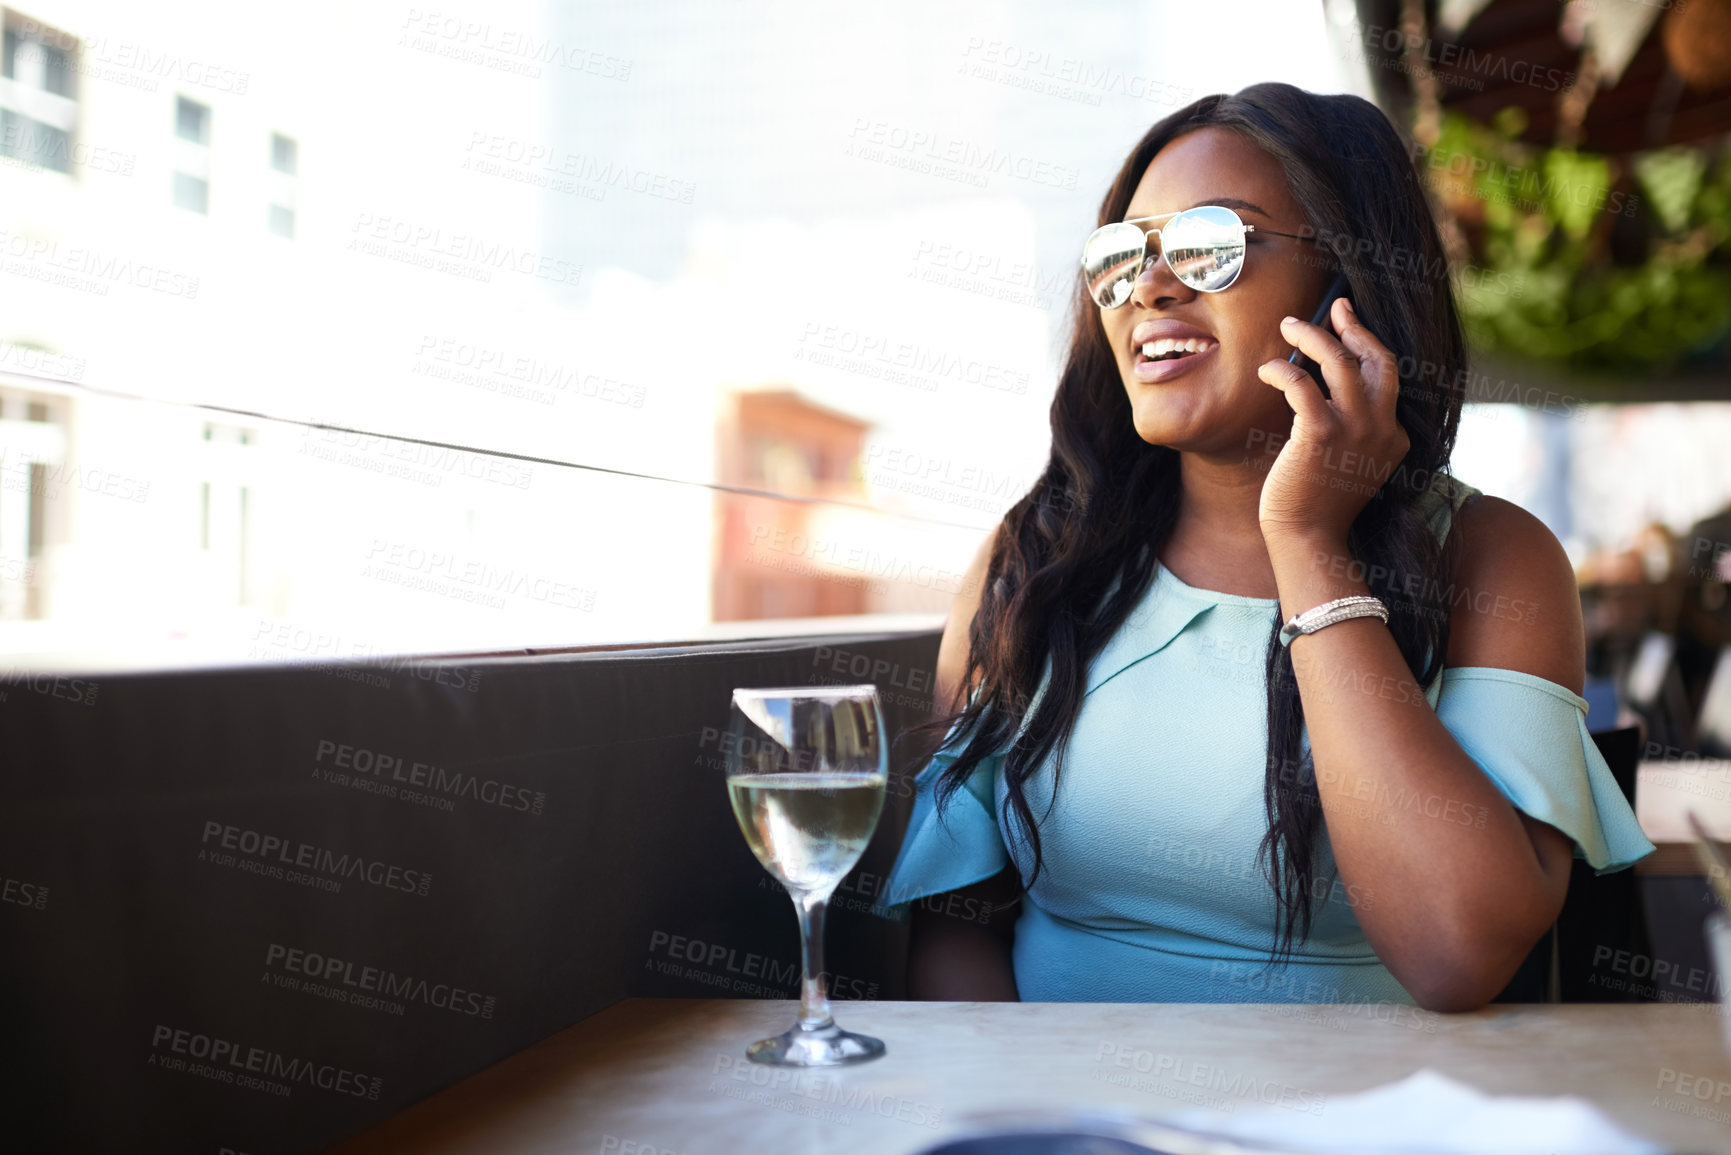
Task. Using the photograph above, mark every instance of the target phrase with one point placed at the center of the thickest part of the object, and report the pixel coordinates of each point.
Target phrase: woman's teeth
(1167, 348)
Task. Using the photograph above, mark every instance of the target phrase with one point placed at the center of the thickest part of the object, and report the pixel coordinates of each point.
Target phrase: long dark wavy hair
(1095, 522)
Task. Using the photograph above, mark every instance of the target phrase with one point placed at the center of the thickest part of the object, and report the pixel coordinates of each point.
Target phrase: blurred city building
(770, 562)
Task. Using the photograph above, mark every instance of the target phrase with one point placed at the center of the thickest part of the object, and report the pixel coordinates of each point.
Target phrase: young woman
(1167, 799)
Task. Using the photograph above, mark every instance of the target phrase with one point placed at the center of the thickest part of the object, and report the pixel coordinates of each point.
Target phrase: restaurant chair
(1601, 913)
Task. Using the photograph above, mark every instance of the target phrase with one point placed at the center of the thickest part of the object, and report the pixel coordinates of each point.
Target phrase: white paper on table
(1428, 1112)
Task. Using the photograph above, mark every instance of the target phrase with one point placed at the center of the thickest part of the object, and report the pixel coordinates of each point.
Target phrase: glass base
(825, 1046)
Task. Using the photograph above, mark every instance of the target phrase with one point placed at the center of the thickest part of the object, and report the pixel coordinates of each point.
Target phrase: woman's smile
(1161, 350)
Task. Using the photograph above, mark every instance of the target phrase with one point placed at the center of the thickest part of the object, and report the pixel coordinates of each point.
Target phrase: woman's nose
(1156, 285)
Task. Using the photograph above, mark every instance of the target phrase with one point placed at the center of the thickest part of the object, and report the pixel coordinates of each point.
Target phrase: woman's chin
(1162, 434)
(1159, 422)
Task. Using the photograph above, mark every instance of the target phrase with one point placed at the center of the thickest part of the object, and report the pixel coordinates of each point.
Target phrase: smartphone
(1337, 289)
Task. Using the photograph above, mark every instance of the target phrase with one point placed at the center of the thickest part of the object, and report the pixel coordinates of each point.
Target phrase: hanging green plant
(1573, 263)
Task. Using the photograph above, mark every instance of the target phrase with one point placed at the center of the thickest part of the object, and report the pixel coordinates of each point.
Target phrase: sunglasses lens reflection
(1111, 261)
(1204, 248)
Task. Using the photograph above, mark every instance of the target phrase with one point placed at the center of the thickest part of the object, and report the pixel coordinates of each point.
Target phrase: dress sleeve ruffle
(1529, 735)
(942, 852)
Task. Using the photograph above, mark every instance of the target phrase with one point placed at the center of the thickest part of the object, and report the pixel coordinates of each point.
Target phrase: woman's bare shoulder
(1513, 600)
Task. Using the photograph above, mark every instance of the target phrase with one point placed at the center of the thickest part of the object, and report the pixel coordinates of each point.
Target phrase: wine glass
(806, 770)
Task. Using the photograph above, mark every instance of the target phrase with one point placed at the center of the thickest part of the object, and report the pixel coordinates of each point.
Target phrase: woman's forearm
(1441, 870)
(967, 958)
(958, 964)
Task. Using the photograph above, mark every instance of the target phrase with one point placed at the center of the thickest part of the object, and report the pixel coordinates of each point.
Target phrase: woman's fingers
(1307, 401)
(1377, 371)
(1342, 447)
(1339, 368)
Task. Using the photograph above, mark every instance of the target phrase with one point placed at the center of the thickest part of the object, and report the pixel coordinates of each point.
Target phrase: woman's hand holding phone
(1345, 441)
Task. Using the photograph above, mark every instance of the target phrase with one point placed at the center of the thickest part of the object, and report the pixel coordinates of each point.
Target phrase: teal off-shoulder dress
(1151, 888)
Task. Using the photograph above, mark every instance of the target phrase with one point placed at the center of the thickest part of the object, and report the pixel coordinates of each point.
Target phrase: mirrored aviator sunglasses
(1204, 247)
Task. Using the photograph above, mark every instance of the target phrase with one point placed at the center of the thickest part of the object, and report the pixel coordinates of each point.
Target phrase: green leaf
(1671, 178)
(1575, 185)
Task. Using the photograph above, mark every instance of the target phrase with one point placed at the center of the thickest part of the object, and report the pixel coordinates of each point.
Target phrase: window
(284, 153)
(226, 511)
(191, 193)
(35, 534)
(38, 64)
(33, 142)
(191, 189)
(37, 109)
(799, 381)
(191, 121)
(43, 64)
(34, 474)
(284, 161)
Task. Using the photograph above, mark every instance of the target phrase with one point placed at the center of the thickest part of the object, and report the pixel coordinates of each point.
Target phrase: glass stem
(813, 998)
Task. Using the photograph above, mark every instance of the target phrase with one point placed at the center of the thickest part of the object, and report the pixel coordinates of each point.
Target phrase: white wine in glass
(806, 771)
